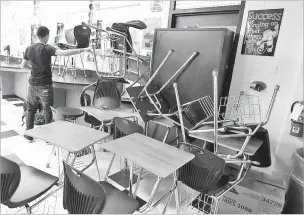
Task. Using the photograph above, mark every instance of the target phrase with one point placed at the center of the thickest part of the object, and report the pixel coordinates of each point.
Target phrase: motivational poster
(262, 32)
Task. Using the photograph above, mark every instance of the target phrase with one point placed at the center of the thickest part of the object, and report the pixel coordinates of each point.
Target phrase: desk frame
(148, 207)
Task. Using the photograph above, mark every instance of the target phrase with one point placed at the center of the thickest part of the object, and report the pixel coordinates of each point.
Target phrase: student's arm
(58, 52)
(25, 61)
(71, 52)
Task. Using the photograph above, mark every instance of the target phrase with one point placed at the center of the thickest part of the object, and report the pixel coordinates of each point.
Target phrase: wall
(20, 15)
(285, 68)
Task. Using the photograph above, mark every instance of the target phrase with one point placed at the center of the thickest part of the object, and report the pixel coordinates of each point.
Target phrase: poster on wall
(262, 32)
(148, 34)
(33, 33)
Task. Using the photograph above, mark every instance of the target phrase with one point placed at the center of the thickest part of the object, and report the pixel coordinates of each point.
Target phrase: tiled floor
(36, 154)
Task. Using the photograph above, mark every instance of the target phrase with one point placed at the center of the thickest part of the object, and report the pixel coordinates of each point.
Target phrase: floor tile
(6, 134)
(123, 177)
(141, 201)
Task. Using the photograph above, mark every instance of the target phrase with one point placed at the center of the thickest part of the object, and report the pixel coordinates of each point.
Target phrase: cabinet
(214, 46)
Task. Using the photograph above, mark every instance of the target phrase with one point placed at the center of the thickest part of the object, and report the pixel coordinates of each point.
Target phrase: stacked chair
(81, 35)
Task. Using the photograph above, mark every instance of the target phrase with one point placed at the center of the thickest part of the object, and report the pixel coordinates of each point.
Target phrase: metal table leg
(50, 156)
(58, 159)
(131, 179)
(138, 182)
(177, 199)
(96, 164)
(109, 167)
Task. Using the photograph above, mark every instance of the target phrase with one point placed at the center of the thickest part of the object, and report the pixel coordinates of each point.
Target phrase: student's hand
(89, 49)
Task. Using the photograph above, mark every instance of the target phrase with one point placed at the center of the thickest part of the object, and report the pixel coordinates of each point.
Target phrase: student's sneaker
(30, 139)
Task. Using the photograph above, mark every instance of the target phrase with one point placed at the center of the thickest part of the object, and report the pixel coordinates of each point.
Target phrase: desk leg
(50, 156)
(96, 164)
(170, 196)
(131, 179)
(58, 159)
(110, 165)
(138, 181)
(148, 205)
(177, 200)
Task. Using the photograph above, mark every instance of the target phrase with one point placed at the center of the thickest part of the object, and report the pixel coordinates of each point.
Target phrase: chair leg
(50, 156)
(85, 75)
(166, 135)
(28, 209)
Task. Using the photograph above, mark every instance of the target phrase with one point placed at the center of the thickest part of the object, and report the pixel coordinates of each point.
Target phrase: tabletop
(159, 158)
(70, 136)
(106, 115)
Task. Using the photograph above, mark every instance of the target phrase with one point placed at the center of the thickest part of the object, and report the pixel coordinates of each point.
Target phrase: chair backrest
(106, 95)
(69, 37)
(203, 172)
(10, 179)
(262, 157)
(138, 24)
(120, 41)
(81, 194)
(57, 116)
(124, 127)
(82, 35)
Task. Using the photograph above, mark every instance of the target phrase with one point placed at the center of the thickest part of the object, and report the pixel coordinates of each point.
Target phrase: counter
(67, 89)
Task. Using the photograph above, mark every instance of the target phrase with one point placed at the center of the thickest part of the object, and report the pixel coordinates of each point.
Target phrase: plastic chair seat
(118, 202)
(136, 24)
(221, 185)
(33, 184)
(70, 112)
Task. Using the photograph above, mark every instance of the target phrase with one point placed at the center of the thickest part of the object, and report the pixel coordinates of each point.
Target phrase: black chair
(22, 184)
(107, 95)
(124, 28)
(83, 195)
(203, 172)
(124, 127)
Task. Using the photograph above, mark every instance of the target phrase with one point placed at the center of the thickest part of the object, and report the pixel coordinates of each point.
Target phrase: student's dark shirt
(40, 56)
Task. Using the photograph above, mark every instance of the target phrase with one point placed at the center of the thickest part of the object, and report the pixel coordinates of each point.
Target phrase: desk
(157, 157)
(69, 136)
(107, 115)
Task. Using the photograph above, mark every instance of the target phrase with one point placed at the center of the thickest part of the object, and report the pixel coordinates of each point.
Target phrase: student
(37, 58)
